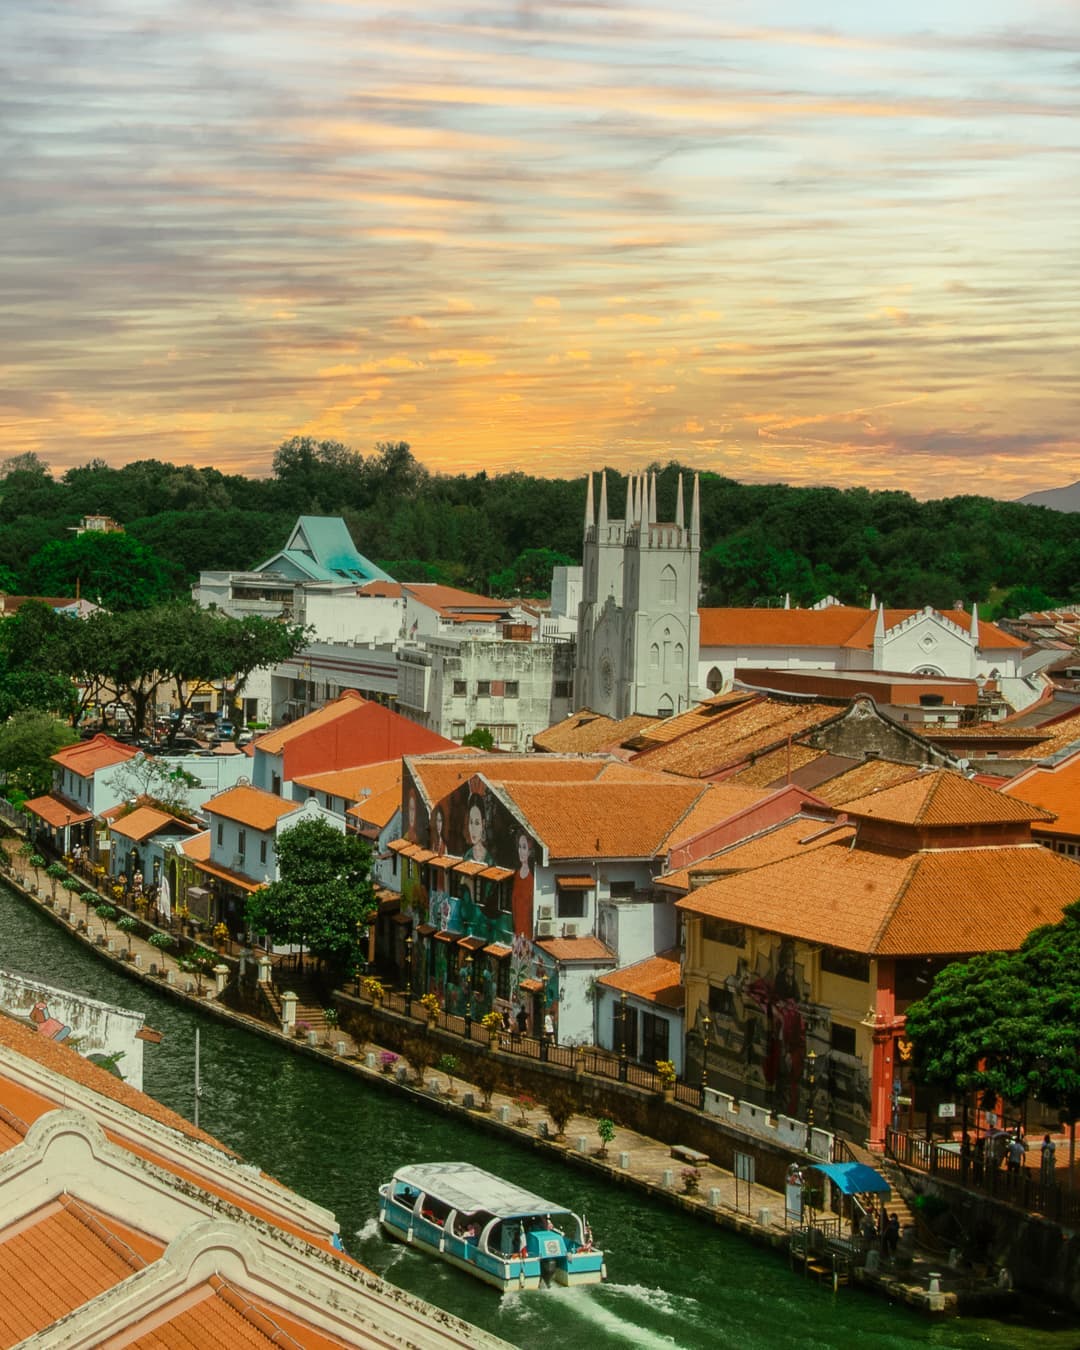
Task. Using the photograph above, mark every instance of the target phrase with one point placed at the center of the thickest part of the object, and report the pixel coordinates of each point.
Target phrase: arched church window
(680, 656)
(668, 586)
(654, 656)
(665, 707)
(714, 681)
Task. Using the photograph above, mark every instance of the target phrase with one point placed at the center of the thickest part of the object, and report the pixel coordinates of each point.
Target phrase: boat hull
(517, 1274)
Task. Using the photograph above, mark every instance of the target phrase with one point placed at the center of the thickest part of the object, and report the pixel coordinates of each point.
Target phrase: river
(673, 1281)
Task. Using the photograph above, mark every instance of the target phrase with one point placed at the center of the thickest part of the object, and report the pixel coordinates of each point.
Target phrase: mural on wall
(763, 1025)
(473, 826)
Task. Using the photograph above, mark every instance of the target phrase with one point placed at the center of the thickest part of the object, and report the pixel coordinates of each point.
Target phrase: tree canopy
(28, 739)
(1007, 1022)
(324, 898)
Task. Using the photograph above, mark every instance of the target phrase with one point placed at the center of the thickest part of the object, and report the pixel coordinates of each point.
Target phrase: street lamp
(408, 975)
(622, 1036)
(466, 973)
(706, 1027)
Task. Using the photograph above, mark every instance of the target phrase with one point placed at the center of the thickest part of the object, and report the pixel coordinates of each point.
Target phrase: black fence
(984, 1169)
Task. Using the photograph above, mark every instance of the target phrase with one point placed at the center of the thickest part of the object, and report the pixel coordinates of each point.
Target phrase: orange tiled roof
(349, 783)
(576, 949)
(836, 626)
(273, 742)
(438, 775)
(772, 767)
(942, 798)
(586, 732)
(718, 802)
(733, 736)
(100, 752)
(388, 589)
(145, 821)
(251, 806)
(864, 778)
(693, 719)
(594, 820)
(658, 979)
(56, 812)
(379, 808)
(1053, 788)
(456, 605)
(935, 903)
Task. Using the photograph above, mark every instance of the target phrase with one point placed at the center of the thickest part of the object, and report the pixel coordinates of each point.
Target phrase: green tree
(480, 738)
(114, 570)
(529, 574)
(28, 740)
(324, 899)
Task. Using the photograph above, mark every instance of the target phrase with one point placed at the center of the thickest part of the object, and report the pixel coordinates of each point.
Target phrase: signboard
(947, 1111)
(744, 1167)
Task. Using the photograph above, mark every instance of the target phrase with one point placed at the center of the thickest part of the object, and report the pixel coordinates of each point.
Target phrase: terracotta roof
(388, 589)
(730, 738)
(585, 732)
(719, 801)
(1053, 788)
(251, 806)
(350, 783)
(273, 742)
(701, 714)
(378, 809)
(942, 798)
(657, 979)
(56, 812)
(864, 778)
(458, 606)
(100, 752)
(145, 821)
(936, 903)
(772, 768)
(835, 626)
(438, 775)
(594, 820)
(577, 949)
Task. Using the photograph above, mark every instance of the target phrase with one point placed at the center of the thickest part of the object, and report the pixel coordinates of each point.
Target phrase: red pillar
(883, 1053)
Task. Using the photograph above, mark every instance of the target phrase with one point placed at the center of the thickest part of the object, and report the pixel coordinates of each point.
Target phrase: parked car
(226, 731)
(180, 744)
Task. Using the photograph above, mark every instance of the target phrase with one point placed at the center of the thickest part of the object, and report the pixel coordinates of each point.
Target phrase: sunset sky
(821, 243)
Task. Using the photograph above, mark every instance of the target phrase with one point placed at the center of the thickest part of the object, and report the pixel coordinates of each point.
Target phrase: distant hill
(1057, 499)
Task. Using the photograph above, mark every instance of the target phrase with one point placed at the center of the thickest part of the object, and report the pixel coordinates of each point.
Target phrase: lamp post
(467, 973)
(706, 1027)
(541, 1034)
(133, 862)
(811, 1060)
(408, 975)
(623, 1066)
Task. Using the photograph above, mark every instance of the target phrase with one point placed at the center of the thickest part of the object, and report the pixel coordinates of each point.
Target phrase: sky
(832, 242)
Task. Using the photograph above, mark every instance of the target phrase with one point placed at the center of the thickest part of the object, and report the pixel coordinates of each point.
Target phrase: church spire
(652, 498)
(590, 518)
(602, 518)
(680, 515)
(643, 504)
(629, 502)
(695, 512)
(975, 621)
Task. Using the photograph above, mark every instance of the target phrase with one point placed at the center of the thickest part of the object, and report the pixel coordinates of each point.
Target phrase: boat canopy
(468, 1189)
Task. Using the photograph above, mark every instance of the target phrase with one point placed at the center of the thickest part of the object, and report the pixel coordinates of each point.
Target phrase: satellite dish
(964, 763)
(243, 781)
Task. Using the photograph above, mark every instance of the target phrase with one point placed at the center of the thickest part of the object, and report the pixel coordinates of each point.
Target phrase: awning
(497, 950)
(445, 935)
(424, 929)
(472, 943)
(470, 869)
(531, 986)
(854, 1178)
(497, 873)
(56, 813)
(232, 878)
(575, 883)
(401, 918)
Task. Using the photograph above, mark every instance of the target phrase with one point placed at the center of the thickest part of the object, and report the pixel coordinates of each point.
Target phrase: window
(563, 689)
(718, 930)
(502, 978)
(461, 688)
(511, 688)
(457, 730)
(668, 586)
(851, 965)
(654, 657)
(483, 688)
(220, 834)
(842, 1039)
(621, 890)
(241, 842)
(275, 784)
(654, 1038)
(721, 1002)
(262, 850)
(571, 904)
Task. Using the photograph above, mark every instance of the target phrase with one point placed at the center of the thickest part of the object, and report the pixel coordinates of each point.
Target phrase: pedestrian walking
(892, 1235)
(1017, 1149)
(1047, 1172)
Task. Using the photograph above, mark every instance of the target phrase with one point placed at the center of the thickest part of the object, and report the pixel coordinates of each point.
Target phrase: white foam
(587, 1304)
(369, 1230)
(671, 1305)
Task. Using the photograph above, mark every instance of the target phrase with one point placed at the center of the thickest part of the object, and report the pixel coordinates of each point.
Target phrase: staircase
(310, 1007)
(901, 1190)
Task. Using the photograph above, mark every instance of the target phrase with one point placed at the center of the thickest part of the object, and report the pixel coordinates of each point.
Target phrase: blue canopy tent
(853, 1178)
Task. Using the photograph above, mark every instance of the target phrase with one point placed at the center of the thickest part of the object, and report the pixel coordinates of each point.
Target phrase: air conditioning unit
(569, 930)
(545, 928)
(545, 911)
(238, 861)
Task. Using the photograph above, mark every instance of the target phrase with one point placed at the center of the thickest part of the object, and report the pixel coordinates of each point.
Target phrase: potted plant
(127, 926)
(300, 1030)
(106, 914)
(387, 1060)
(666, 1071)
(493, 1022)
(330, 1016)
(221, 937)
(605, 1128)
(430, 1004)
(524, 1104)
(448, 1064)
(691, 1180)
(55, 872)
(373, 988)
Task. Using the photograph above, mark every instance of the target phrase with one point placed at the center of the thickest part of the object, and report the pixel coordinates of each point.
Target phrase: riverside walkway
(632, 1159)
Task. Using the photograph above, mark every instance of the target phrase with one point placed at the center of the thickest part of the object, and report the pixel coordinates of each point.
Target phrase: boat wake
(659, 1300)
(591, 1306)
(369, 1230)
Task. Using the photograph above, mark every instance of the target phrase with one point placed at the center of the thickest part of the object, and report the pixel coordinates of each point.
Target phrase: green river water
(672, 1281)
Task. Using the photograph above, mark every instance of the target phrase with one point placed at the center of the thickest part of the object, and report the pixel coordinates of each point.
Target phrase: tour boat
(502, 1234)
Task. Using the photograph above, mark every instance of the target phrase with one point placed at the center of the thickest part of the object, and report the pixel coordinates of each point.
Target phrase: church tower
(638, 638)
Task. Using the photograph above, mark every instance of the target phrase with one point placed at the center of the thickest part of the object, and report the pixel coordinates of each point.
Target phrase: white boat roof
(467, 1189)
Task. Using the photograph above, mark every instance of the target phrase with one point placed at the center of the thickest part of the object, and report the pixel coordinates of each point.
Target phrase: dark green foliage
(480, 738)
(501, 534)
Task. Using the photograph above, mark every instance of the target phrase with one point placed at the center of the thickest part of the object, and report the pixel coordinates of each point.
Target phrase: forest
(502, 534)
